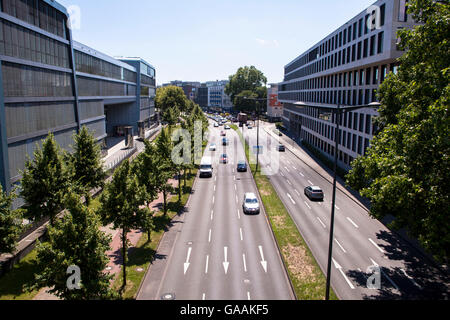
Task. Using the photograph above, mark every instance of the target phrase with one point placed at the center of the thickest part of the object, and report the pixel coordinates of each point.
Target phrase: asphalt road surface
(360, 242)
(220, 253)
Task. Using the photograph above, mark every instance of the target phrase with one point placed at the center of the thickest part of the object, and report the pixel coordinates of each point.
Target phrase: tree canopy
(406, 170)
(10, 222)
(171, 100)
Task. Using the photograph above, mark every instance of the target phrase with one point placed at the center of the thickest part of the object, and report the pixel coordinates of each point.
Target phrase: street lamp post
(337, 111)
(257, 132)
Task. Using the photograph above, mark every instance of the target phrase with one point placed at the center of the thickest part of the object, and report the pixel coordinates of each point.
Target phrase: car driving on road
(224, 141)
(224, 158)
(242, 166)
(281, 148)
(212, 147)
(251, 204)
(223, 133)
(314, 193)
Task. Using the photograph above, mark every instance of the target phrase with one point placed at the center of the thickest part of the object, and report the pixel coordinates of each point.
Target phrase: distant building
(274, 107)
(218, 100)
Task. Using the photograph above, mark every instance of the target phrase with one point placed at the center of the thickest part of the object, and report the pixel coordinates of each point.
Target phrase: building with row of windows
(346, 69)
(50, 83)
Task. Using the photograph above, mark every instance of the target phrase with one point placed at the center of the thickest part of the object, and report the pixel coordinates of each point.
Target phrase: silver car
(314, 193)
(251, 204)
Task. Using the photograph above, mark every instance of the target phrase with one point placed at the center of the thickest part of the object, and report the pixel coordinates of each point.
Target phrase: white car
(251, 204)
(212, 147)
(216, 125)
(227, 127)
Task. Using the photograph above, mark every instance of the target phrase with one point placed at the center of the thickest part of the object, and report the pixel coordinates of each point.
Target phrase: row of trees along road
(406, 172)
(56, 180)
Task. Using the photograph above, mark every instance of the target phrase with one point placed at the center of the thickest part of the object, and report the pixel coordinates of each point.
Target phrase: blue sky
(199, 40)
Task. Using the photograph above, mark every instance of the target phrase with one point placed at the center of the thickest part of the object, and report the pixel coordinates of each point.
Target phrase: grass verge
(308, 281)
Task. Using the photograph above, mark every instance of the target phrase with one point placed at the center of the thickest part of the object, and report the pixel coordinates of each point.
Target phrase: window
(380, 42)
(372, 45)
(383, 72)
(383, 14)
(359, 51)
(375, 75)
(368, 76)
(368, 123)
(353, 52)
(366, 48)
(360, 146)
(360, 27)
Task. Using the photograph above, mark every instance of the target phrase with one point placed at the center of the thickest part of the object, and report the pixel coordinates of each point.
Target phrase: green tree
(171, 101)
(406, 170)
(249, 80)
(10, 222)
(86, 164)
(45, 181)
(122, 203)
(75, 240)
(165, 166)
(146, 169)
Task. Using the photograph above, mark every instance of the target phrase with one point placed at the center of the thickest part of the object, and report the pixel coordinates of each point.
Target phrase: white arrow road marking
(323, 225)
(351, 221)
(387, 277)
(308, 205)
(263, 261)
(376, 246)
(245, 263)
(187, 264)
(226, 264)
(412, 280)
(207, 264)
(342, 248)
(337, 266)
(289, 196)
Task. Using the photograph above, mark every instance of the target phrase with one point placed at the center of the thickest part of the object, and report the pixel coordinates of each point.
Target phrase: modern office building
(218, 100)
(50, 83)
(274, 107)
(345, 68)
(202, 97)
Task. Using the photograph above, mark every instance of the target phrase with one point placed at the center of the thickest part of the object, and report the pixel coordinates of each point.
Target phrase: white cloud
(268, 43)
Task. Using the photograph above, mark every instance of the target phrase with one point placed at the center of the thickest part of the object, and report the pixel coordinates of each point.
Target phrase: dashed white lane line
(214, 187)
(248, 296)
(282, 174)
(351, 221)
(289, 196)
(245, 263)
(323, 225)
(237, 200)
(240, 232)
(289, 182)
(212, 214)
(342, 248)
(308, 205)
(309, 181)
(204, 296)
(235, 187)
(302, 174)
(296, 191)
(287, 169)
(239, 214)
(209, 236)
(214, 199)
(376, 246)
(294, 168)
(207, 265)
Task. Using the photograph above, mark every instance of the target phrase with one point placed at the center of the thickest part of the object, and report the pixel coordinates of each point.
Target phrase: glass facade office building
(50, 83)
(345, 68)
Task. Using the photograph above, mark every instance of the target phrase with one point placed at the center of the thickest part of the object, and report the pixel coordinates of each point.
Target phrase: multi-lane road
(360, 242)
(219, 253)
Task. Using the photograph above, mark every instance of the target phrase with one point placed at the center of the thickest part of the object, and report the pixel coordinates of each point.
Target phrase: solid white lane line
(351, 221)
(245, 263)
(209, 237)
(342, 248)
(376, 246)
(321, 222)
(411, 279)
(289, 196)
(309, 181)
(387, 277)
(207, 264)
(337, 266)
(240, 232)
(308, 205)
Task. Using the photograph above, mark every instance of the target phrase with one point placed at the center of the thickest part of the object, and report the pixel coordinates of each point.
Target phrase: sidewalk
(115, 156)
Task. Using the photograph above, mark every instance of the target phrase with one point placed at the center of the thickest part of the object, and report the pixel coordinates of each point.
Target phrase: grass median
(306, 276)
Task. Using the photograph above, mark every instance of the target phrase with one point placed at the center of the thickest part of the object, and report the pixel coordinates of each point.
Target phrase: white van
(206, 168)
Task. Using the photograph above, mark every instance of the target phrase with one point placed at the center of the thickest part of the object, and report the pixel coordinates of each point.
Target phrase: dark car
(242, 166)
(224, 158)
(314, 193)
(224, 141)
(281, 148)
